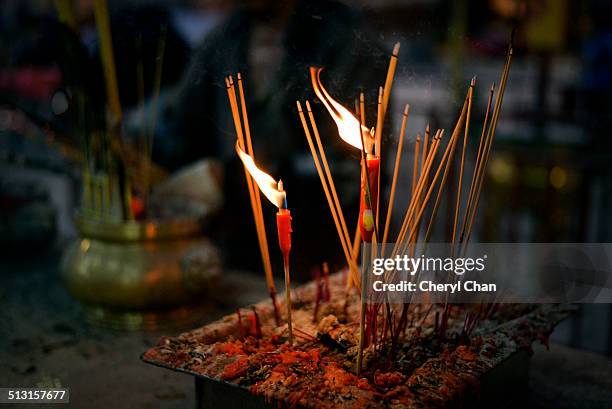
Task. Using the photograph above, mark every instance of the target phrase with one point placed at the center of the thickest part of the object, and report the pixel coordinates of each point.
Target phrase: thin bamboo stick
(447, 167)
(378, 146)
(390, 77)
(330, 181)
(407, 225)
(108, 60)
(477, 164)
(326, 190)
(415, 199)
(379, 122)
(398, 158)
(362, 107)
(265, 255)
(492, 128)
(256, 191)
(159, 66)
(465, 136)
(415, 170)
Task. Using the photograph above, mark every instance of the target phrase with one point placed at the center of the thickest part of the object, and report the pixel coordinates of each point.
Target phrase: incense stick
(415, 199)
(378, 146)
(108, 60)
(256, 192)
(390, 77)
(326, 190)
(425, 141)
(362, 107)
(452, 144)
(379, 122)
(415, 164)
(492, 128)
(257, 215)
(330, 180)
(460, 183)
(159, 66)
(398, 157)
(477, 164)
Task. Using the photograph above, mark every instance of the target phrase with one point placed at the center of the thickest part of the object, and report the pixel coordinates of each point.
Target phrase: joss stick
(477, 164)
(357, 237)
(390, 76)
(330, 179)
(324, 184)
(356, 251)
(378, 147)
(416, 225)
(465, 136)
(249, 145)
(141, 94)
(422, 199)
(159, 65)
(379, 122)
(256, 193)
(362, 107)
(415, 199)
(415, 170)
(398, 157)
(425, 142)
(448, 159)
(108, 61)
(257, 215)
(65, 11)
(492, 127)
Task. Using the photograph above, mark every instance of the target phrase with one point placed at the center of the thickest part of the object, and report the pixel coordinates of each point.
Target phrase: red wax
(283, 223)
(367, 213)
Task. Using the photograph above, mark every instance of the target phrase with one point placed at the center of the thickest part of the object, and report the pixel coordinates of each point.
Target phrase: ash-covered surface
(424, 370)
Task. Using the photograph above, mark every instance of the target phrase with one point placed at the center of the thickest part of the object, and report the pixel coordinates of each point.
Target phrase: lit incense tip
(396, 49)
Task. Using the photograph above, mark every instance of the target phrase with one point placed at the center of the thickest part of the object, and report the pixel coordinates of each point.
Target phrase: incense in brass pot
(128, 273)
(143, 275)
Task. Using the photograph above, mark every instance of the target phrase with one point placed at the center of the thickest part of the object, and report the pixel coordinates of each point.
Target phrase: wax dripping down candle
(276, 194)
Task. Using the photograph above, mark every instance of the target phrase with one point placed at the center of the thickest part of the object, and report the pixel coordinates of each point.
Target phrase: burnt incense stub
(423, 368)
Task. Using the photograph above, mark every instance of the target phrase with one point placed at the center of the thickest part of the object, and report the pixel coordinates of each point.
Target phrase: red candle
(369, 202)
(283, 223)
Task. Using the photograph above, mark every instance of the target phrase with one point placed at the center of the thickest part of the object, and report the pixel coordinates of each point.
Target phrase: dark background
(549, 179)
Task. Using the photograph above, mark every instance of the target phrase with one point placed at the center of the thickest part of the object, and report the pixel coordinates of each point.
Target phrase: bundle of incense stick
(245, 143)
(428, 174)
(114, 169)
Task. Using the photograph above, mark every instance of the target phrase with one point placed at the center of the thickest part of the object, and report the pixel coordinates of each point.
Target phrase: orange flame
(348, 126)
(268, 186)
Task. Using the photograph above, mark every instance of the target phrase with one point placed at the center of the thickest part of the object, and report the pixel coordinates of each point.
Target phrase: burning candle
(357, 135)
(276, 194)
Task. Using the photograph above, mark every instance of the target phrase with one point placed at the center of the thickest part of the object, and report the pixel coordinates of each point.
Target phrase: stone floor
(45, 341)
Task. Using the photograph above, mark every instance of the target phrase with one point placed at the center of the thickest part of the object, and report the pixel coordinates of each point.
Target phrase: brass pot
(126, 274)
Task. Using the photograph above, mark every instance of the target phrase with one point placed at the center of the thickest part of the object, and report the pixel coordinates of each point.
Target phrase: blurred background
(123, 205)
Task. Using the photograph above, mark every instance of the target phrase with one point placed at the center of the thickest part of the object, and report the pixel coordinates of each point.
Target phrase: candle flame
(268, 186)
(348, 125)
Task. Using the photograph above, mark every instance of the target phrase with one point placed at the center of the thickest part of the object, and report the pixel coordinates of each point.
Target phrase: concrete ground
(45, 341)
